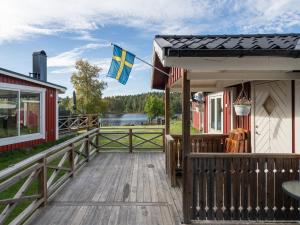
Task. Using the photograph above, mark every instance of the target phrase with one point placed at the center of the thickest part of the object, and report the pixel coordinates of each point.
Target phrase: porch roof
(230, 45)
(214, 58)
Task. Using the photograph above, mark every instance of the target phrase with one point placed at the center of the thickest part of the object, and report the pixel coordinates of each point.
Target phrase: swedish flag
(121, 64)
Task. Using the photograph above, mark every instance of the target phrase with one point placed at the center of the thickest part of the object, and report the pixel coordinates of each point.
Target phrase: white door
(273, 117)
(215, 113)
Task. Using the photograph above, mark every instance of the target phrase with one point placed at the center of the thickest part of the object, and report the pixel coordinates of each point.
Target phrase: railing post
(71, 159)
(186, 149)
(164, 139)
(42, 181)
(97, 139)
(87, 148)
(130, 140)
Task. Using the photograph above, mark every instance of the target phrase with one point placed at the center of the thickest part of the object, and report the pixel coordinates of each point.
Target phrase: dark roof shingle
(233, 45)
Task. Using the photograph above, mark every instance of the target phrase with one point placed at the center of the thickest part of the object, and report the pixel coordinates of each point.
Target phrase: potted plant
(242, 106)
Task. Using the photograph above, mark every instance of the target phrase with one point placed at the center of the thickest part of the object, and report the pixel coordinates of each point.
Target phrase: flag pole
(149, 64)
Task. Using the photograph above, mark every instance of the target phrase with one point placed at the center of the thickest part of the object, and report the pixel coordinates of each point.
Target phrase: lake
(124, 119)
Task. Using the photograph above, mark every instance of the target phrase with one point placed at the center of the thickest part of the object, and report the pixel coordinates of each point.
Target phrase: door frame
(215, 96)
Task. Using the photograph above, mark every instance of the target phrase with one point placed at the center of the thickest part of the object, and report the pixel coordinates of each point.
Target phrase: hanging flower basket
(242, 110)
(242, 104)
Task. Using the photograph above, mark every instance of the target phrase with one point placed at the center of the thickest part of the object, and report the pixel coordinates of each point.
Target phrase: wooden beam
(167, 109)
(187, 176)
(211, 64)
(244, 75)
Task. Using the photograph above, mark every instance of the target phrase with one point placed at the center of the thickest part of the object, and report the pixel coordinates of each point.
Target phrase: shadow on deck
(117, 188)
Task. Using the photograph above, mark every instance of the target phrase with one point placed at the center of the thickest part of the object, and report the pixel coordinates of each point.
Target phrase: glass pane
(219, 114)
(30, 113)
(8, 113)
(212, 113)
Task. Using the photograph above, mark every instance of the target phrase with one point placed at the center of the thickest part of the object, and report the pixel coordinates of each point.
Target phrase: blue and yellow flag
(121, 64)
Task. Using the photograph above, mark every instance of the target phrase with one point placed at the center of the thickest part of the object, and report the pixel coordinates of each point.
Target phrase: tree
(65, 105)
(88, 88)
(154, 106)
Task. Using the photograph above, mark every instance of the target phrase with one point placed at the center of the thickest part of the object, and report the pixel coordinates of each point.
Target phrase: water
(124, 119)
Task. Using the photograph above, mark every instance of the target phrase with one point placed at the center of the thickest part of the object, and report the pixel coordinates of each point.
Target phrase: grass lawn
(12, 157)
(137, 138)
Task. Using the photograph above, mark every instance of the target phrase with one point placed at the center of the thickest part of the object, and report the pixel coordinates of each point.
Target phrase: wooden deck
(117, 188)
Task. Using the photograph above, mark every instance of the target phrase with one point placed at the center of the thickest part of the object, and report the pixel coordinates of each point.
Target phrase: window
(9, 113)
(215, 107)
(30, 113)
(21, 110)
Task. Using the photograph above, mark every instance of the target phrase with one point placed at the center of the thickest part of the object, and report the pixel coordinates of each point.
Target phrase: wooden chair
(238, 141)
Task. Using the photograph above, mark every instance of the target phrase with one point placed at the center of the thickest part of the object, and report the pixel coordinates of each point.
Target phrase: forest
(136, 103)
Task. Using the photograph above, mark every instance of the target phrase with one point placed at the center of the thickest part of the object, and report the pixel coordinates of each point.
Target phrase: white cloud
(68, 58)
(23, 19)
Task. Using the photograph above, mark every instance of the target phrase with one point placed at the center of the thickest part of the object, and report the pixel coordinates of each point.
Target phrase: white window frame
(27, 137)
(215, 96)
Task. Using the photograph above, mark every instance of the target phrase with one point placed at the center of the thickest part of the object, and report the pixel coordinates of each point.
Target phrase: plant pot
(242, 110)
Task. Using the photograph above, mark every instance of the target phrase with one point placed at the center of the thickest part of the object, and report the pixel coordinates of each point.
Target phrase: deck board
(116, 188)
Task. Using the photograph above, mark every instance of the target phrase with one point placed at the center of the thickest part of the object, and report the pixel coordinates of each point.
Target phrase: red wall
(243, 121)
(239, 121)
(50, 120)
(227, 111)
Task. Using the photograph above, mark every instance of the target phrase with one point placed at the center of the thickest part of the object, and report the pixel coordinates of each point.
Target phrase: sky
(69, 30)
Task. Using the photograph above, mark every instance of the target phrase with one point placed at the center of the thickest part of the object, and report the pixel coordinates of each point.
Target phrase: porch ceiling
(218, 80)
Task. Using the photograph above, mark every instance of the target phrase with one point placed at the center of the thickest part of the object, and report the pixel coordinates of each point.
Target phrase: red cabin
(28, 106)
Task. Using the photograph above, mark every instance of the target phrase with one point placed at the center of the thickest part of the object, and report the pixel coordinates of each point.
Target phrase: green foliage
(65, 104)
(136, 103)
(154, 107)
(88, 88)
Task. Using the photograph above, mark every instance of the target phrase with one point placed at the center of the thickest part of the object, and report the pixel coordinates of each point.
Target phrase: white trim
(29, 137)
(23, 77)
(56, 115)
(215, 96)
(297, 117)
(252, 116)
(19, 139)
(18, 87)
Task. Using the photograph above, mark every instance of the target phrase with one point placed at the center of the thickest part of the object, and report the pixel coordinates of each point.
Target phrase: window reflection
(8, 113)
(29, 113)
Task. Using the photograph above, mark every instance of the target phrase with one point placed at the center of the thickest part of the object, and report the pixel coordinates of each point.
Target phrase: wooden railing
(242, 186)
(67, 124)
(199, 143)
(131, 139)
(34, 181)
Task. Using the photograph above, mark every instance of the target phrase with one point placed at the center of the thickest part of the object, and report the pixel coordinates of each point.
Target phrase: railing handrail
(133, 128)
(205, 135)
(243, 155)
(34, 159)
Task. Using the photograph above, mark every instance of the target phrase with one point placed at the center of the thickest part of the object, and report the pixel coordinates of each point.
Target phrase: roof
(284, 45)
(31, 79)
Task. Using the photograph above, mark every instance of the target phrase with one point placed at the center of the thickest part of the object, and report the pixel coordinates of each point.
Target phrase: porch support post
(187, 176)
(167, 109)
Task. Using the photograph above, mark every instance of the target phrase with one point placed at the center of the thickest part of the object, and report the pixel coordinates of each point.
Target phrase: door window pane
(8, 113)
(29, 113)
(212, 113)
(219, 114)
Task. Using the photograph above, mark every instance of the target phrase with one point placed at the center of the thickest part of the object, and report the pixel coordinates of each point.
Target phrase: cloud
(68, 58)
(23, 19)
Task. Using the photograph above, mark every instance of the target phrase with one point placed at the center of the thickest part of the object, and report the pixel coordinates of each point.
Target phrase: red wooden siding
(243, 121)
(50, 120)
(175, 74)
(227, 111)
